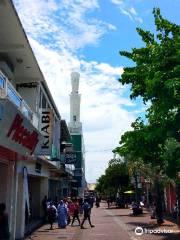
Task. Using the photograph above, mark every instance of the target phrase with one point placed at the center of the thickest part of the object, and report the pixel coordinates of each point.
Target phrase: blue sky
(86, 36)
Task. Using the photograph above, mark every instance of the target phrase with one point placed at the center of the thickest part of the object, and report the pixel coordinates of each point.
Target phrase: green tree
(155, 78)
(116, 178)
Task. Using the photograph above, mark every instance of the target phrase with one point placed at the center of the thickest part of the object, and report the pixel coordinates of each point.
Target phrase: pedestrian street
(110, 224)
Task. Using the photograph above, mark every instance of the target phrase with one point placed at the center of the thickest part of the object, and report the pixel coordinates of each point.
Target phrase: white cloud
(117, 2)
(55, 36)
(127, 9)
(107, 69)
(133, 11)
(63, 25)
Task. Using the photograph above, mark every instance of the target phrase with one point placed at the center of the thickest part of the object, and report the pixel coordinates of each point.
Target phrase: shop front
(33, 178)
(4, 169)
(18, 141)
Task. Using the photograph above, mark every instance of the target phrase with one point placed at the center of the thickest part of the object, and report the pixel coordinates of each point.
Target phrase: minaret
(75, 125)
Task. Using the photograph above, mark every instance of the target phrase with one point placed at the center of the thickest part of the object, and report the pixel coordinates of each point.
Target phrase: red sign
(21, 135)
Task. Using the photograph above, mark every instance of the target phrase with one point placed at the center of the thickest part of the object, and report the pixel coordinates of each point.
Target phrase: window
(74, 118)
(13, 96)
(27, 111)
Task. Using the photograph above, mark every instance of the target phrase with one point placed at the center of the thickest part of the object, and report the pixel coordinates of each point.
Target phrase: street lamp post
(137, 183)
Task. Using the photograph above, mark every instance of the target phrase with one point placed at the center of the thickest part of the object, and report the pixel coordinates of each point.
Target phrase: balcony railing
(7, 90)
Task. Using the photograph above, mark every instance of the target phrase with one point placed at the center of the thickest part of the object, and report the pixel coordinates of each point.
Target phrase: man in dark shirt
(87, 213)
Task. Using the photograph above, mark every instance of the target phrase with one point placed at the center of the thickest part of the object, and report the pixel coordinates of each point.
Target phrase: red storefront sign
(21, 135)
(17, 133)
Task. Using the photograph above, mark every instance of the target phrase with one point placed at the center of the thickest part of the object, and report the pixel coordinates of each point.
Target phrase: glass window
(27, 111)
(2, 81)
(74, 118)
(13, 96)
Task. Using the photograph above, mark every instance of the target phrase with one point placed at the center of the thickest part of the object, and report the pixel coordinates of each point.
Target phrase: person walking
(51, 213)
(108, 202)
(4, 227)
(87, 214)
(76, 213)
(80, 201)
(97, 201)
(70, 207)
(62, 215)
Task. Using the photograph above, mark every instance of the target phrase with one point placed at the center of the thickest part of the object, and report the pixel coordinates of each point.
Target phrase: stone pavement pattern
(110, 224)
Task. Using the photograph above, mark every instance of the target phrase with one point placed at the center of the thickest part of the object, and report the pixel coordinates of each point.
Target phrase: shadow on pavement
(172, 236)
(141, 224)
(117, 215)
(126, 215)
(45, 230)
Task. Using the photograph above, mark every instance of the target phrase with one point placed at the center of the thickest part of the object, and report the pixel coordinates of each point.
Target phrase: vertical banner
(46, 126)
(55, 154)
(26, 189)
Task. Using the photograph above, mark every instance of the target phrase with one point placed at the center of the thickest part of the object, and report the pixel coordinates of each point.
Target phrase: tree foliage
(156, 79)
(115, 178)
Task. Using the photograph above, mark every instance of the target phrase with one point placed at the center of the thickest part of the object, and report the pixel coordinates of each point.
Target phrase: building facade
(30, 130)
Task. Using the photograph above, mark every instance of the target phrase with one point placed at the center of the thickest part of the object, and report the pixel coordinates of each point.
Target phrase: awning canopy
(16, 54)
(15, 48)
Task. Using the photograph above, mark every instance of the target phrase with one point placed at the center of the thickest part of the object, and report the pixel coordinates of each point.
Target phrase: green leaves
(156, 79)
(156, 63)
(147, 36)
(115, 177)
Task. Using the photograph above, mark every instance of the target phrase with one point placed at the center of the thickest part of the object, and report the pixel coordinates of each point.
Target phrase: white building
(75, 127)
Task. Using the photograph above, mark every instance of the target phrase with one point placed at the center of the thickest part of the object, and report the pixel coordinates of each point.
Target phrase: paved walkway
(147, 228)
(111, 224)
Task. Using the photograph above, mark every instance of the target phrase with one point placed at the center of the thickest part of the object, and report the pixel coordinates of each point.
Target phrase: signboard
(46, 126)
(55, 151)
(16, 131)
(68, 158)
(78, 172)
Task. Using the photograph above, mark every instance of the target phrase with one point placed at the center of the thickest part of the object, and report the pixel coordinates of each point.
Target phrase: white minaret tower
(75, 125)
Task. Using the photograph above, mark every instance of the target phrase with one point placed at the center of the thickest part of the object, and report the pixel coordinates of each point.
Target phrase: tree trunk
(178, 202)
(136, 189)
(159, 203)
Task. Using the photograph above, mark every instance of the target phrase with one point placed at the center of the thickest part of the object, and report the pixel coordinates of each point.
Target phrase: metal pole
(147, 191)
(136, 187)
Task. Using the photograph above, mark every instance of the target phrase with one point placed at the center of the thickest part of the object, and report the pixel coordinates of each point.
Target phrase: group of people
(66, 211)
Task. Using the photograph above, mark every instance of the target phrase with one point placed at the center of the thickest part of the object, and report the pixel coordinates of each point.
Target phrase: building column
(43, 191)
(20, 214)
(12, 198)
